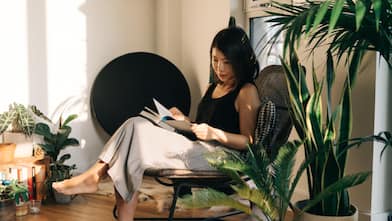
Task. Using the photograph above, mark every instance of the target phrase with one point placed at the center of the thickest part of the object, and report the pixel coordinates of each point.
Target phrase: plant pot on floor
(7, 151)
(305, 216)
(62, 198)
(7, 210)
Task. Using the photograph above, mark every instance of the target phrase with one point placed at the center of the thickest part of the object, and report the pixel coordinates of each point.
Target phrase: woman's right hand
(205, 132)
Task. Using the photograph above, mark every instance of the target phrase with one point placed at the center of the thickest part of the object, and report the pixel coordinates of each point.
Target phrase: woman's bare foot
(86, 182)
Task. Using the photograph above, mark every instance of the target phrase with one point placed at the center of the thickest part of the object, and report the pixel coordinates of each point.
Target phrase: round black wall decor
(130, 82)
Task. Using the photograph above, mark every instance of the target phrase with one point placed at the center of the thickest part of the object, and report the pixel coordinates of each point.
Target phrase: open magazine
(164, 119)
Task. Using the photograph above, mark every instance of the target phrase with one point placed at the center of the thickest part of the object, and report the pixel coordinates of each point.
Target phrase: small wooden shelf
(40, 165)
(26, 161)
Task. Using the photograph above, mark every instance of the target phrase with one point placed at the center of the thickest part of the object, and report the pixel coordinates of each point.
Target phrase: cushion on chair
(265, 123)
(272, 87)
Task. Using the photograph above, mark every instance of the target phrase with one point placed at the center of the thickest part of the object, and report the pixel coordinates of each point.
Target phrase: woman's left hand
(204, 131)
(177, 114)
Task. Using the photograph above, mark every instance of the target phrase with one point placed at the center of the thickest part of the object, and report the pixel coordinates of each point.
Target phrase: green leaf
(69, 119)
(308, 160)
(330, 80)
(5, 120)
(345, 124)
(282, 167)
(71, 142)
(313, 119)
(321, 14)
(342, 184)
(282, 171)
(331, 174)
(261, 199)
(377, 7)
(64, 157)
(43, 130)
(25, 120)
(310, 19)
(360, 10)
(335, 14)
(344, 207)
(210, 197)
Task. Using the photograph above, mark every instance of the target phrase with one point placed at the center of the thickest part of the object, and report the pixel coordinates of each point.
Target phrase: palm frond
(324, 20)
(261, 199)
(209, 197)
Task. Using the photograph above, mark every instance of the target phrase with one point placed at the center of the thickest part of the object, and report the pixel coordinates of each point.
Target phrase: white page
(162, 110)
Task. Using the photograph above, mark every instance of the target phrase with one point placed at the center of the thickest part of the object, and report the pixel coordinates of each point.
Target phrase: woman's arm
(247, 104)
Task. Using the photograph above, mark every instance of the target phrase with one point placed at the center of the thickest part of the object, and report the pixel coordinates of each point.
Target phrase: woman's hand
(177, 114)
(205, 132)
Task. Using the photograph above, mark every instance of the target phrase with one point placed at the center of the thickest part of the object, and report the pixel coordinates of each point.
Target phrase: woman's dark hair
(235, 45)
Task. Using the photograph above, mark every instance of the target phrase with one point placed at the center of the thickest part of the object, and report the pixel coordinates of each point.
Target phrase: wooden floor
(99, 208)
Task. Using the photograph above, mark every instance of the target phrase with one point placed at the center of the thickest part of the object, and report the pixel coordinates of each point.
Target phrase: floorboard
(99, 208)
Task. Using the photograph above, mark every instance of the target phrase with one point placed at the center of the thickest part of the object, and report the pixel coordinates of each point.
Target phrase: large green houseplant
(326, 139)
(349, 29)
(54, 143)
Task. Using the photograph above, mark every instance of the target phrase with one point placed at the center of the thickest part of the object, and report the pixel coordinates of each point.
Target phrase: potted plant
(348, 28)
(14, 197)
(20, 118)
(54, 142)
(20, 122)
(7, 204)
(326, 141)
(268, 186)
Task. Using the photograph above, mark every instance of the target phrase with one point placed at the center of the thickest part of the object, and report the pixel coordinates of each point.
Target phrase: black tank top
(219, 112)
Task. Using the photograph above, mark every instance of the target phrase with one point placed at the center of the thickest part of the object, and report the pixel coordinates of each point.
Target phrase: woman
(226, 118)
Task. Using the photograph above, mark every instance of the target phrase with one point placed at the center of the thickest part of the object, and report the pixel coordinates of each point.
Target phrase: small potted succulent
(14, 198)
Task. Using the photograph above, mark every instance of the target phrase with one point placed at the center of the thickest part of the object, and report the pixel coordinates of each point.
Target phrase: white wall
(185, 32)
(51, 52)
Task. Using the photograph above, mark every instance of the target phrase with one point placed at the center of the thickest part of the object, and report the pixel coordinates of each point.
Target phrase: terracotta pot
(7, 210)
(24, 144)
(7, 151)
(311, 217)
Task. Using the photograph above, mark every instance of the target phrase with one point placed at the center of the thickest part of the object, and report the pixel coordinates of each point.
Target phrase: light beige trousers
(138, 144)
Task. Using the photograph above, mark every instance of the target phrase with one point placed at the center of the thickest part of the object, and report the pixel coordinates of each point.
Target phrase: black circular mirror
(130, 82)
